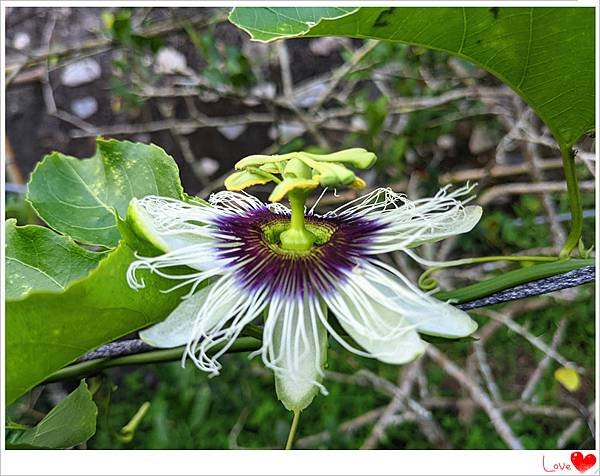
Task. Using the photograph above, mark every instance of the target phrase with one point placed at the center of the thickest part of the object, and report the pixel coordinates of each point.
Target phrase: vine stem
(428, 283)
(568, 157)
(293, 429)
(514, 278)
(84, 369)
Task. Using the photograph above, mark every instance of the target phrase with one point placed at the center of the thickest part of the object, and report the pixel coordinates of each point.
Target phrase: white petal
(382, 330)
(179, 230)
(220, 321)
(177, 329)
(169, 224)
(408, 227)
(412, 223)
(453, 222)
(427, 314)
(295, 347)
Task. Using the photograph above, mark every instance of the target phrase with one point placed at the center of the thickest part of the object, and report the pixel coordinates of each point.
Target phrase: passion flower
(297, 270)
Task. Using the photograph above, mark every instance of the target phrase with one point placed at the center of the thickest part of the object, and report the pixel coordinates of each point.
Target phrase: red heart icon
(582, 463)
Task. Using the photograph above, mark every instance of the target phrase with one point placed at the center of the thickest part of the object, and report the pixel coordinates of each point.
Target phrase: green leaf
(37, 259)
(70, 423)
(568, 378)
(267, 24)
(46, 331)
(545, 54)
(79, 197)
(102, 390)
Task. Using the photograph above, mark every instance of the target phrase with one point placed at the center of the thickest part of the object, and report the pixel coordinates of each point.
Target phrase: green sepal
(193, 200)
(136, 239)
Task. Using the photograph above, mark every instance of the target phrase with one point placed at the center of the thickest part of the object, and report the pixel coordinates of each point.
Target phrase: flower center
(251, 244)
(272, 231)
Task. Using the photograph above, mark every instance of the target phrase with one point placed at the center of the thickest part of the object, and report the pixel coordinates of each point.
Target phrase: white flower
(232, 244)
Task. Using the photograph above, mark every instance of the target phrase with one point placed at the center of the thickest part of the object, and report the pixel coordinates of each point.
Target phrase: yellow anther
(358, 183)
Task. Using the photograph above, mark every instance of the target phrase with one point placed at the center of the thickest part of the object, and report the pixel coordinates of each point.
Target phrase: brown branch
(351, 426)
(504, 190)
(180, 126)
(537, 374)
(497, 171)
(396, 404)
(401, 401)
(571, 279)
(342, 72)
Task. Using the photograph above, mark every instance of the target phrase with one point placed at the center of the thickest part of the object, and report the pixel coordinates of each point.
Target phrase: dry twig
(478, 396)
(537, 374)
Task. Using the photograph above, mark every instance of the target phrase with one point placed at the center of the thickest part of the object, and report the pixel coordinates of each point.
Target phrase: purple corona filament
(258, 263)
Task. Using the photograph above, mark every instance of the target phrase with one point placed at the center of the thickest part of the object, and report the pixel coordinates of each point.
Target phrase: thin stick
(402, 401)
(573, 428)
(286, 71)
(568, 433)
(533, 340)
(342, 72)
(96, 45)
(501, 191)
(396, 404)
(180, 126)
(478, 396)
(497, 171)
(531, 153)
(293, 429)
(90, 367)
(543, 365)
(348, 426)
(486, 371)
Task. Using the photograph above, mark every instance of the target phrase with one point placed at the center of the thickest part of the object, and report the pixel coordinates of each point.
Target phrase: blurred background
(192, 83)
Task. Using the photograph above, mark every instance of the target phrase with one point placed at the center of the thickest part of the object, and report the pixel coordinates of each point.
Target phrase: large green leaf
(37, 259)
(268, 23)
(79, 197)
(70, 423)
(47, 330)
(546, 54)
